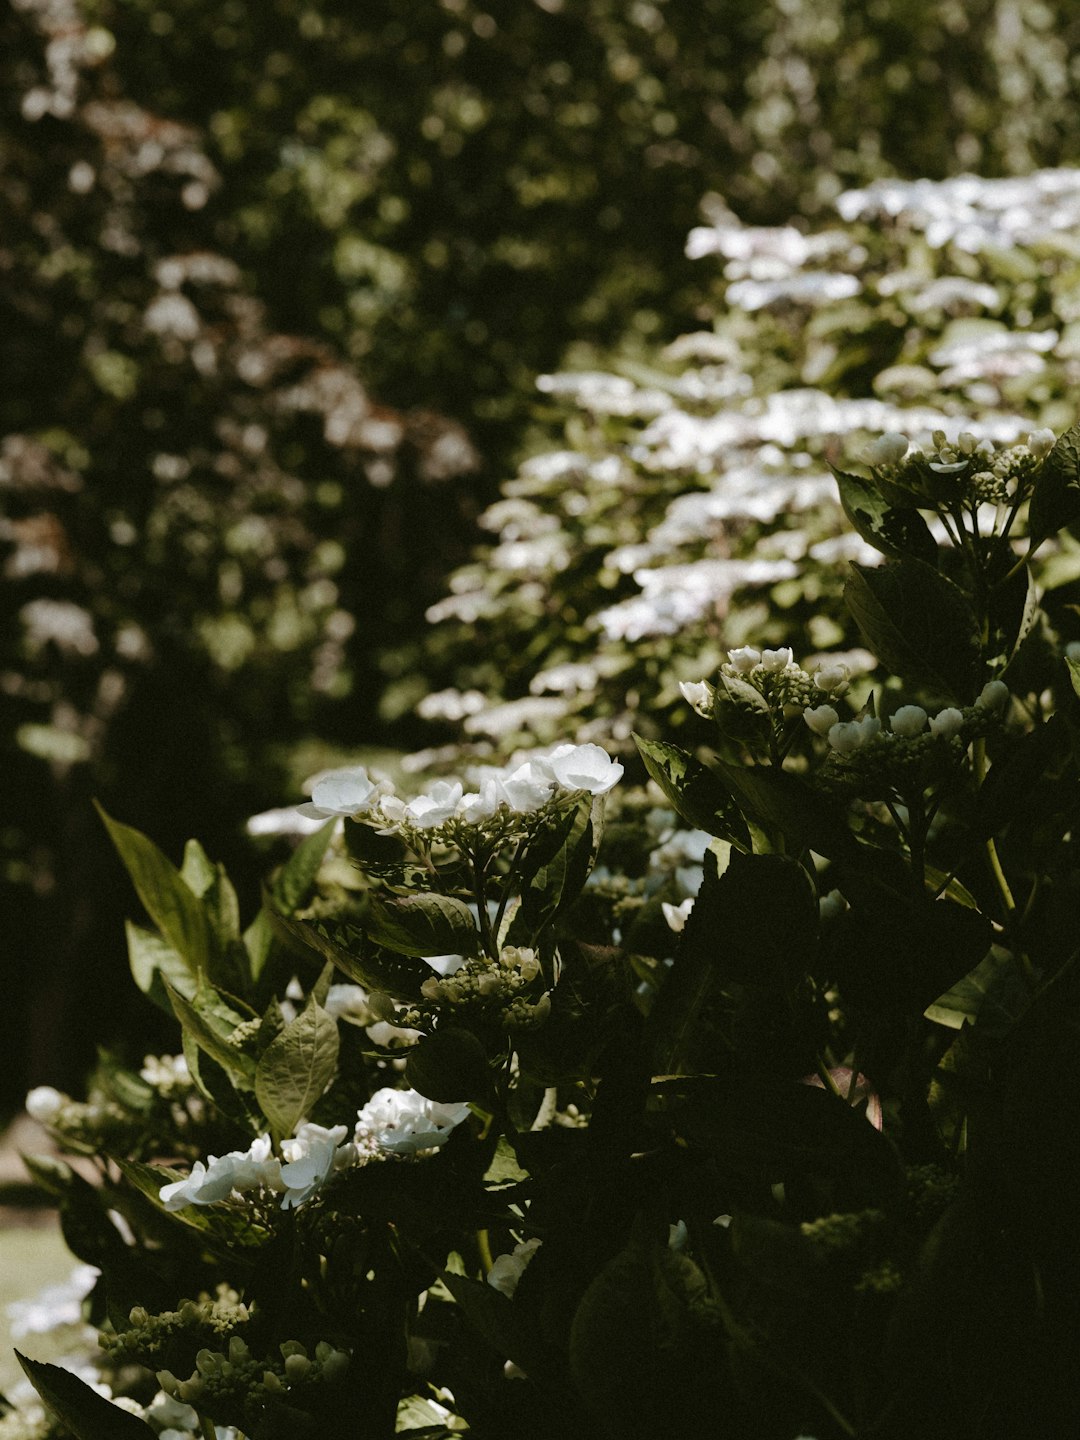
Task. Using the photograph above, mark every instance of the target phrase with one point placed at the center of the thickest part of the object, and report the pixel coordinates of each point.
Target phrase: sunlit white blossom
(479, 805)
(698, 694)
(438, 805)
(1040, 443)
(888, 449)
(584, 767)
(403, 1122)
(239, 1170)
(744, 659)
(831, 677)
(348, 791)
(775, 660)
(529, 787)
(44, 1104)
(311, 1156)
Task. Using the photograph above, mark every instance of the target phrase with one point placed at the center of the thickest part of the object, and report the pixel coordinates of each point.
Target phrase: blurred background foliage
(276, 282)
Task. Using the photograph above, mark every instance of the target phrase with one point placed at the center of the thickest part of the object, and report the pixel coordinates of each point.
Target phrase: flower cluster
(210, 1319)
(966, 471)
(909, 722)
(240, 1376)
(393, 1122)
(496, 989)
(502, 794)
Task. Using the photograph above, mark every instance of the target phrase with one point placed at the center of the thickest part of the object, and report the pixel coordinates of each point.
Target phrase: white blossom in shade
(774, 660)
(507, 1270)
(311, 1156)
(584, 767)
(402, 1122)
(1040, 443)
(391, 809)
(445, 964)
(831, 677)
(677, 915)
(1072, 650)
(479, 805)
(821, 718)
(832, 905)
(946, 722)
(349, 791)
(239, 1170)
(347, 1002)
(529, 787)
(993, 696)
(887, 449)
(744, 659)
(440, 804)
(44, 1104)
(851, 735)
(908, 721)
(697, 694)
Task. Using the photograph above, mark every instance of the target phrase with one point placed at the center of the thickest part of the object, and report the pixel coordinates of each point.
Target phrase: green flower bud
(138, 1316)
(168, 1382)
(297, 1368)
(272, 1383)
(335, 1364)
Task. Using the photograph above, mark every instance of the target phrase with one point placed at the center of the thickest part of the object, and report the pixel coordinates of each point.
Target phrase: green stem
(207, 1428)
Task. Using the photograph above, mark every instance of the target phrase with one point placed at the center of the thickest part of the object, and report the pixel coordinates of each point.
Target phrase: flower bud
(946, 723)
(993, 696)
(821, 719)
(1040, 443)
(272, 1382)
(335, 1364)
(189, 1312)
(168, 1382)
(238, 1350)
(696, 693)
(966, 442)
(888, 449)
(431, 989)
(207, 1362)
(774, 660)
(908, 721)
(831, 677)
(191, 1391)
(44, 1104)
(138, 1316)
(297, 1368)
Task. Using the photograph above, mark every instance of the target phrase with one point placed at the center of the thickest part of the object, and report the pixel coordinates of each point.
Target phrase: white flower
(832, 905)
(744, 659)
(239, 1170)
(529, 787)
(44, 1104)
(403, 1122)
(677, 915)
(1040, 443)
(1072, 650)
(445, 964)
(993, 696)
(349, 791)
(348, 1002)
(427, 811)
(821, 719)
(831, 677)
(946, 722)
(312, 1155)
(698, 694)
(852, 735)
(584, 767)
(508, 1269)
(887, 449)
(481, 805)
(966, 442)
(775, 660)
(909, 720)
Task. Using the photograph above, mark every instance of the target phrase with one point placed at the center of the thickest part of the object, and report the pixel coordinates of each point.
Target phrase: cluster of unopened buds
(987, 475)
(909, 722)
(505, 798)
(208, 1318)
(492, 987)
(239, 1374)
(768, 680)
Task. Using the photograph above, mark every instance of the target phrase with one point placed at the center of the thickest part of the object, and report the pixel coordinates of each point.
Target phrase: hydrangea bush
(690, 508)
(473, 1130)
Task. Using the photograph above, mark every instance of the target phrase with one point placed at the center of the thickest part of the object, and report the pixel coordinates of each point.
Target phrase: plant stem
(207, 1428)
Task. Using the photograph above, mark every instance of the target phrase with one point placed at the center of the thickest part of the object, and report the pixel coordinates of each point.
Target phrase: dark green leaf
(209, 1021)
(420, 925)
(197, 870)
(554, 868)
(1055, 500)
(449, 1066)
(507, 1328)
(919, 624)
(993, 996)
(88, 1415)
(290, 888)
(351, 951)
(296, 1068)
(170, 903)
(694, 790)
(893, 529)
(784, 804)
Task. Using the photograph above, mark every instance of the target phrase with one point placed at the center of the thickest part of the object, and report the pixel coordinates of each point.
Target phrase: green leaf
(1074, 673)
(507, 1327)
(197, 871)
(209, 1021)
(449, 1066)
(88, 1415)
(994, 996)
(779, 802)
(296, 1068)
(694, 790)
(895, 530)
(289, 890)
(170, 903)
(153, 961)
(1055, 499)
(554, 868)
(420, 925)
(919, 624)
(352, 952)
